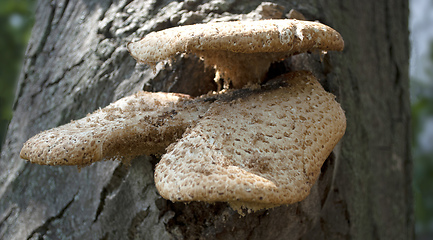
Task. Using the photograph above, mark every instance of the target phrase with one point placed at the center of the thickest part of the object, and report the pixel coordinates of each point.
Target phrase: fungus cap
(240, 51)
(144, 123)
(262, 150)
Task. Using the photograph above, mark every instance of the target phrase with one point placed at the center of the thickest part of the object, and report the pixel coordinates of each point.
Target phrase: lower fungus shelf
(201, 166)
(254, 148)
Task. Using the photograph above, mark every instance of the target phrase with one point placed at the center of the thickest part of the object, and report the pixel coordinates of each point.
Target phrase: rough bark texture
(76, 62)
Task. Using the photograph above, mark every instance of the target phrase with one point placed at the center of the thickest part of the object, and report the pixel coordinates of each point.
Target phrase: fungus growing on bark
(241, 52)
(262, 149)
(255, 147)
(144, 123)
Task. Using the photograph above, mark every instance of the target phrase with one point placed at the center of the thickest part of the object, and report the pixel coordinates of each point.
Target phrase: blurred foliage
(16, 21)
(422, 149)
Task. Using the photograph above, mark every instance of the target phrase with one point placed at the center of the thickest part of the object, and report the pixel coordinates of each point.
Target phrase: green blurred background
(16, 20)
(421, 74)
(422, 150)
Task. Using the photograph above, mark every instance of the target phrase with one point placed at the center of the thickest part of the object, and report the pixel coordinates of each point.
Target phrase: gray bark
(76, 62)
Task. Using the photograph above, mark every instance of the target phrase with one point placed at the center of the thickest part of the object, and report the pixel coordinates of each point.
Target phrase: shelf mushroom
(242, 51)
(261, 149)
(144, 123)
(257, 151)
(255, 147)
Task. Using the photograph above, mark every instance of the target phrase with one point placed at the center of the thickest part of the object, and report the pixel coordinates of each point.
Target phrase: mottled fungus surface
(260, 150)
(242, 51)
(144, 123)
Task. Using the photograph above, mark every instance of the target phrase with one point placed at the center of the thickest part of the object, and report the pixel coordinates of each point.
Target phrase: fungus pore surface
(242, 51)
(260, 150)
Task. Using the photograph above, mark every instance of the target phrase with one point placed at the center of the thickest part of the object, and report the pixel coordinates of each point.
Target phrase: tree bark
(77, 62)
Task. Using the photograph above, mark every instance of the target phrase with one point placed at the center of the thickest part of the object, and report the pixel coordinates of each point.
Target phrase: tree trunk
(77, 62)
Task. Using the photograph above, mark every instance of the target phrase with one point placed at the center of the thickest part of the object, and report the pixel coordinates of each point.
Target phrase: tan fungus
(242, 51)
(261, 150)
(254, 147)
(145, 123)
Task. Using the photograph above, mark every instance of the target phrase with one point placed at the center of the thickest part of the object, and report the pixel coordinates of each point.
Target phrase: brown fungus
(242, 51)
(262, 150)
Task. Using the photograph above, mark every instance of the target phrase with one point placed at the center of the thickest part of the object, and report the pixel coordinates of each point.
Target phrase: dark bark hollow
(77, 61)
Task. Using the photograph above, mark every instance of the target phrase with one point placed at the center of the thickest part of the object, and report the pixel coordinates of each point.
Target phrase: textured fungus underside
(241, 51)
(261, 150)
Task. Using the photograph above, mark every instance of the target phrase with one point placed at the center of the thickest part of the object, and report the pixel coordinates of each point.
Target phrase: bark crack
(116, 180)
(63, 10)
(135, 223)
(5, 216)
(43, 229)
(56, 81)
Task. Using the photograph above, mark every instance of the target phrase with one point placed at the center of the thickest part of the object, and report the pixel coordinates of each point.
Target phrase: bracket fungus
(256, 147)
(242, 51)
(261, 149)
(144, 123)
